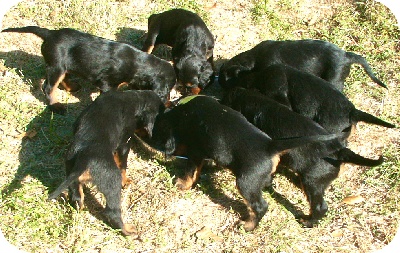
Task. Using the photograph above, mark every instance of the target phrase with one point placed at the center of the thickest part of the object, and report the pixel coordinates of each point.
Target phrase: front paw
(308, 222)
(58, 108)
(183, 185)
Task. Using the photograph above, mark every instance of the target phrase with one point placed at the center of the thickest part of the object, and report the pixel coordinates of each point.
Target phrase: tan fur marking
(122, 84)
(117, 160)
(125, 179)
(52, 95)
(128, 229)
(187, 182)
(195, 90)
(85, 177)
(275, 161)
(150, 50)
(197, 172)
(250, 223)
(82, 195)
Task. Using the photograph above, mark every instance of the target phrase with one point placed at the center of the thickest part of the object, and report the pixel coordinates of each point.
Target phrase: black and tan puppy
(105, 63)
(316, 164)
(192, 45)
(200, 128)
(100, 147)
(308, 95)
(317, 57)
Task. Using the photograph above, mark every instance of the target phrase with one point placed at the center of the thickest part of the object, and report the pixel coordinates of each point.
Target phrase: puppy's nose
(195, 90)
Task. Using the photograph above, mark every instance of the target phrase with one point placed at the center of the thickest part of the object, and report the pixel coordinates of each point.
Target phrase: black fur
(192, 45)
(307, 95)
(105, 63)
(317, 57)
(199, 128)
(100, 147)
(316, 164)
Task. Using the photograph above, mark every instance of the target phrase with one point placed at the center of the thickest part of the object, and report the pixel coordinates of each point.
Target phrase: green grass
(168, 220)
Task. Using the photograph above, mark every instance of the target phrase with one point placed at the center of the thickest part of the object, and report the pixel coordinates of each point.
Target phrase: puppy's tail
(283, 145)
(80, 162)
(355, 58)
(38, 31)
(357, 115)
(65, 184)
(345, 155)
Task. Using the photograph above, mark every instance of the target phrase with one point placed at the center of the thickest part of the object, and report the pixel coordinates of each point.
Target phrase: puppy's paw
(182, 184)
(308, 222)
(248, 225)
(126, 183)
(129, 230)
(58, 108)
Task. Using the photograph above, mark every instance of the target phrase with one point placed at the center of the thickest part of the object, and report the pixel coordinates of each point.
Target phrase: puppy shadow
(42, 149)
(278, 197)
(32, 70)
(131, 36)
(136, 38)
(211, 185)
(208, 184)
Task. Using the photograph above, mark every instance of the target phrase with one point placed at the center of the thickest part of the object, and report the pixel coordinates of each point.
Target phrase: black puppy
(192, 45)
(100, 147)
(307, 95)
(316, 164)
(105, 63)
(199, 128)
(317, 57)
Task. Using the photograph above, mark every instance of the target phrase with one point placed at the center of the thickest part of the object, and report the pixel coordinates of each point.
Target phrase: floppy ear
(170, 145)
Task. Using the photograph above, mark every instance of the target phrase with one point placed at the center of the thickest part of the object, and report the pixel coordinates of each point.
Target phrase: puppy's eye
(202, 68)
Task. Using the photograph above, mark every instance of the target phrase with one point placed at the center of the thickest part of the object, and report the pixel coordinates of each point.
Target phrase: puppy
(105, 63)
(199, 128)
(316, 164)
(100, 148)
(308, 95)
(317, 57)
(192, 45)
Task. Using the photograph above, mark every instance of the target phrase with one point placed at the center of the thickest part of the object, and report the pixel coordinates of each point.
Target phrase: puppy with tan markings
(192, 45)
(317, 57)
(105, 63)
(315, 164)
(308, 95)
(200, 128)
(101, 145)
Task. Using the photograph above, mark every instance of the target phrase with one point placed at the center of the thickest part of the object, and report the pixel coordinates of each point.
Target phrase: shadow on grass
(209, 181)
(32, 70)
(42, 155)
(136, 38)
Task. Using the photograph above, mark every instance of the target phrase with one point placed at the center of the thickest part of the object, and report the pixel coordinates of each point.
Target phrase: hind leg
(121, 159)
(314, 183)
(250, 187)
(76, 195)
(109, 183)
(151, 37)
(69, 85)
(54, 77)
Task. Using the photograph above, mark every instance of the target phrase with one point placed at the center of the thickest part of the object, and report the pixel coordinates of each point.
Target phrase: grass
(169, 220)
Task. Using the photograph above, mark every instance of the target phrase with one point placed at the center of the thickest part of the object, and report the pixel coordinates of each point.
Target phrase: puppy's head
(194, 72)
(228, 75)
(152, 107)
(162, 134)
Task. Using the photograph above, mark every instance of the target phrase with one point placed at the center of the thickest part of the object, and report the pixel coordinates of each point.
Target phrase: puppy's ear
(170, 146)
(179, 64)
